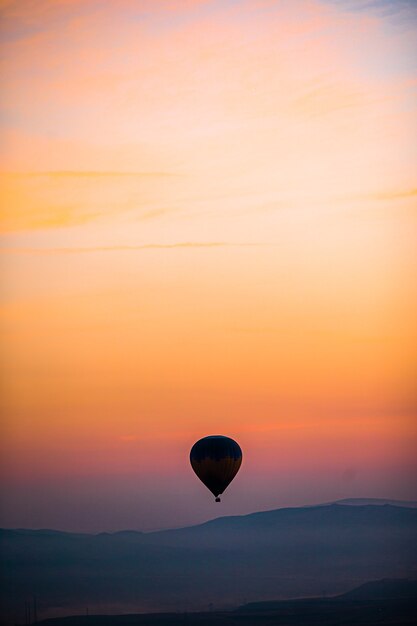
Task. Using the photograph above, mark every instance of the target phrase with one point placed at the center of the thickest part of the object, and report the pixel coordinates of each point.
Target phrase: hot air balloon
(216, 461)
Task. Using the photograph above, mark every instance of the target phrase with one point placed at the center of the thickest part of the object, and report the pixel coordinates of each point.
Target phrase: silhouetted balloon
(216, 461)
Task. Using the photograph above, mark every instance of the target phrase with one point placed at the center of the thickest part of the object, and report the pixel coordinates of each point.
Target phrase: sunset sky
(208, 227)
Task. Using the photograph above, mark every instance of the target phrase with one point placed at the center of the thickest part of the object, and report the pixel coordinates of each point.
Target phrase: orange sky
(208, 226)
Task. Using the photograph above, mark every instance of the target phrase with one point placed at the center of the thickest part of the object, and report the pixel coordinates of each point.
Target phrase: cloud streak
(50, 199)
(87, 174)
(384, 8)
(125, 248)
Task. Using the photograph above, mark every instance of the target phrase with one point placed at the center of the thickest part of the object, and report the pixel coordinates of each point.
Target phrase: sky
(208, 227)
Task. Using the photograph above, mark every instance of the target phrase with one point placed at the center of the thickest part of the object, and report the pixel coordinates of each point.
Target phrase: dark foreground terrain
(370, 604)
(227, 562)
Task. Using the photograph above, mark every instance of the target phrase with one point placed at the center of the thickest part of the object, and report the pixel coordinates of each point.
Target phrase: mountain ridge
(280, 554)
(408, 504)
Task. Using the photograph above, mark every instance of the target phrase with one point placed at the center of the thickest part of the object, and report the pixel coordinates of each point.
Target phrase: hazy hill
(263, 556)
(385, 589)
(383, 602)
(293, 526)
(410, 504)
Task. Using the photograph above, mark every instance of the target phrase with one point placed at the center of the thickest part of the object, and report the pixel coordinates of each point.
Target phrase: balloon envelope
(216, 461)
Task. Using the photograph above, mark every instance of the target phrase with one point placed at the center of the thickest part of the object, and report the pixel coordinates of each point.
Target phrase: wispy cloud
(326, 98)
(377, 196)
(50, 199)
(124, 248)
(396, 195)
(403, 11)
(86, 174)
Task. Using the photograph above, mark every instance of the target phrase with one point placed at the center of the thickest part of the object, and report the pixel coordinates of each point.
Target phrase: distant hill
(279, 554)
(386, 589)
(410, 504)
(383, 602)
